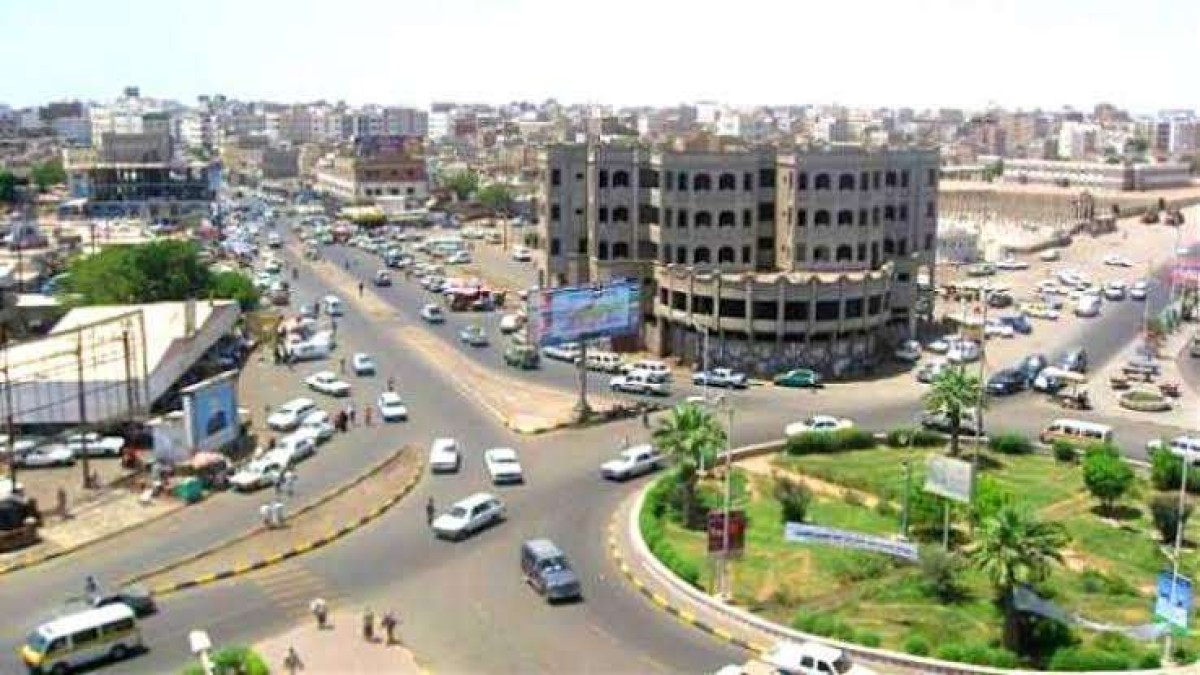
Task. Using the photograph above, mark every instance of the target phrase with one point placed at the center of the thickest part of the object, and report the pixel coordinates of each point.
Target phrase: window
(681, 255)
(765, 309)
(766, 212)
(875, 176)
(862, 217)
(555, 247)
(846, 181)
(821, 217)
(556, 177)
(874, 253)
(903, 213)
(703, 219)
(678, 300)
(766, 178)
(929, 242)
(902, 277)
(701, 183)
(83, 637)
(555, 212)
(648, 178)
(727, 181)
(801, 217)
(620, 215)
(802, 181)
(583, 245)
(602, 250)
(702, 304)
(620, 179)
(666, 253)
(766, 243)
(648, 214)
(827, 310)
(820, 254)
(864, 181)
(579, 176)
(747, 217)
(746, 255)
(733, 308)
(702, 255)
(801, 253)
(902, 247)
(725, 255)
(889, 179)
(668, 180)
(668, 217)
(682, 220)
(854, 308)
(904, 178)
(682, 181)
(664, 296)
(747, 181)
(862, 252)
(602, 214)
(930, 209)
(889, 213)
(726, 219)
(873, 304)
(875, 216)
(845, 217)
(795, 311)
(821, 182)
(931, 177)
(620, 250)
(602, 178)
(889, 246)
(844, 252)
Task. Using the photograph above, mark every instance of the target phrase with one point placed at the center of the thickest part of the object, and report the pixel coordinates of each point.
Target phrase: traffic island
(343, 511)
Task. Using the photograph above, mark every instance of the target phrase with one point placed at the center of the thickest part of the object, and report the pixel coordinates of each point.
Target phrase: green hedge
(902, 437)
(1082, 659)
(824, 442)
(977, 654)
(650, 520)
(1011, 443)
(233, 661)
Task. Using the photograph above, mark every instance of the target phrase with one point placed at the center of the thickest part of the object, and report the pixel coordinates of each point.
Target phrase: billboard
(1173, 601)
(814, 534)
(950, 478)
(210, 412)
(716, 532)
(574, 314)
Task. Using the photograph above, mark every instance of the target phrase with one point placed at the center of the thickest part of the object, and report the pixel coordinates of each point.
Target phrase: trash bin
(190, 490)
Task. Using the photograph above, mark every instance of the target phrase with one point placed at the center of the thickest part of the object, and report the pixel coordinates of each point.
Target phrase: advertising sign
(1173, 601)
(210, 412)
(814, 534)
(950, 478)
(737, 532)
(573, 314)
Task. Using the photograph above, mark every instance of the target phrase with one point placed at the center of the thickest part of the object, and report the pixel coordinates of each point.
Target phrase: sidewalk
(337, 649)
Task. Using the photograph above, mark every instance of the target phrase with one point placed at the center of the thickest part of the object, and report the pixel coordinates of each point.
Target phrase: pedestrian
(391, 384)
(319, 611)
(333, 327)
(279, 480)
(61, 506)
(645, 418)
(345, 264)
(292, 661)
(342, 365)
(353, 414)
(429, 511)
(277, 514)
(389, 626)
(368, 626)
(289, 483)
(367, 414)
(360, 289)
(90, 585)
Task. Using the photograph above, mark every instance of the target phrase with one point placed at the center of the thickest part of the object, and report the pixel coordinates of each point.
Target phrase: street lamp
(201, 645)
(703, 356)
(1183, 479)
(726, 588)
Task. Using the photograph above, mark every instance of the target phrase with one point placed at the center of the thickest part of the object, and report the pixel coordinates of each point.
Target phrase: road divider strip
(297, 550)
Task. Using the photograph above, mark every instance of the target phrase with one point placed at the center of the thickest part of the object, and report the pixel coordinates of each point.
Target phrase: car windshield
(555, 564)
(458, 512)
(37, 642)
(504, 459)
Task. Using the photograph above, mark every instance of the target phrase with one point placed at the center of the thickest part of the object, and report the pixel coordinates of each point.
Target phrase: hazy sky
(1141, 54)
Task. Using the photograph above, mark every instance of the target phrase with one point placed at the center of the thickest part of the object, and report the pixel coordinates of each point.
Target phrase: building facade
(1098, 175)
(388, 168)
(783, 257)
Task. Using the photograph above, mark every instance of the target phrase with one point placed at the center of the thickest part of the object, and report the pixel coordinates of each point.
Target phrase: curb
(299, 549)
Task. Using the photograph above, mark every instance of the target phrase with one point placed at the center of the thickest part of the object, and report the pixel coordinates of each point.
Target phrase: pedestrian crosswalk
(291, 587)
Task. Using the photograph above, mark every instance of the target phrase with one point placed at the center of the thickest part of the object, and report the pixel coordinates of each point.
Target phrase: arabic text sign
(584, 313)
(950, 478)
(1173, 600)
(815, 534)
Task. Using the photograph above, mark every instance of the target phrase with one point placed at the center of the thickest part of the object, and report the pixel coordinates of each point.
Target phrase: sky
(1142, 55)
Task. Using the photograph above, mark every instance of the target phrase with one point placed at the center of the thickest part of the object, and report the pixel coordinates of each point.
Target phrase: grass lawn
(1108, 574)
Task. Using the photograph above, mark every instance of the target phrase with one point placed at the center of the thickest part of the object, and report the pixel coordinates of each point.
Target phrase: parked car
(633, 461)
(1139, 290)
(1185, 446)
(524, 357)
(93, 444)
(604, 362)
(503, 466)
(134, 596)
(1010, 263)
(568, 352)
(1114, 290)
(1116, 260)
(327, 382)
(930, 371)
(391, 407)
(444, 456)
(1075, 360)
(968, 422)
(260, 473)
(721, 377)
(383, 278)
(510, 323)
(1049, 255)
(432, 313)
(999, 299)
(963, 351)
(547, 570)
(908, 352)
(469, 516)
(289, 415)
(798, 377)
(1031, 365)
(1087, 306)
(817, 423)
(639, 382)
(297, 446)
(319, 425)
(1018, 322)
(997, 328)
(362, 364)
(474, 336)
(459, 258)
(521, 254)
(1007, 381)
(53, 454)
(658, 370)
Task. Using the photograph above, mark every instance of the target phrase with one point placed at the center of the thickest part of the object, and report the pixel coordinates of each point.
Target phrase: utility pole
(82, 391)
(727, 590)
(582, 410)
(984, 296)
(9, 428)
(1179, 525)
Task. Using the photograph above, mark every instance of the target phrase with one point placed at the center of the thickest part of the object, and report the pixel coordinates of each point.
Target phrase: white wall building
(957, 242)
(1078, 140)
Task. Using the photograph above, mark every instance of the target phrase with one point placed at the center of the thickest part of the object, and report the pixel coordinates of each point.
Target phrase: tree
(692, 437)
(1014, 547)
(954, 392)
(794, 498)
(1164, 509)
(48, 174)
(233, 661)
(154, 272)
(462, 183)
(235, 286)
(496, 196)
(940, 570)
(8, 187)
(1106, 475)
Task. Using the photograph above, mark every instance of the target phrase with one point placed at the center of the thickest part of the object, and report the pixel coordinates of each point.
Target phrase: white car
(327, 382)
(503, 466)
(1187, 447)
(363, 364)
(521, 254)
(318, 425)
(391, 407)
(459, 258)
(994, 328)
(659, 370)
(289, 415)
(939, 346)
(260, 472)
(1049, 255)
(633, 461)
(640, 382)
(1010, 264)
(297, 446)
(96, 445)
(817, 423)
(54, 454)
(469, 516)
(432, 314)
(1117, 260)
(1139, 290)
(909, 352)
(568, 352)
(444, 456)
(963, 351)
(1115, 290)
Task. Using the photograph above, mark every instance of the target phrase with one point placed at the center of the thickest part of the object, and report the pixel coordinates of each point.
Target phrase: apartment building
(379, 168)
(783, 257)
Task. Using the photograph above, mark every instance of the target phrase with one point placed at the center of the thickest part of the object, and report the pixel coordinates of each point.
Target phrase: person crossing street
(429, 511)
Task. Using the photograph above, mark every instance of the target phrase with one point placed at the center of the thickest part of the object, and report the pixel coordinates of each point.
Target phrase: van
(658, 370)
(1076, 431)
(547, 570)
(309, 350)
(605, 362)
(333, 305)
(68, 642)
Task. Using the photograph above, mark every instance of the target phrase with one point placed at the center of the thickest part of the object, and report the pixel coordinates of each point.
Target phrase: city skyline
(1070, 53)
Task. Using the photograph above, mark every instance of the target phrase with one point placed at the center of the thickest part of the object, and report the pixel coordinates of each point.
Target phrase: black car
(1007, 381)
(1075, 360)
(135, 596)
(1031, 365)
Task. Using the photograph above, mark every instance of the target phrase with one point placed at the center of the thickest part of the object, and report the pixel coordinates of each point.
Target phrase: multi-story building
(784, 257)
(1078, 140)
(1097, 175)
(382, 168)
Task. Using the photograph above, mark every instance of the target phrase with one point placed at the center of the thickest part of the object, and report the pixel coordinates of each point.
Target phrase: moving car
(908, 352)
(134, 596)
(391, 407)
(1187, 447)
(383, 278)
(510, 323)
(807, 658)
(1139, 290)
(633, 461)
(605, 362)
(444, 456)
(968, 423)
(333, 305)
(503, 466)
(568, 352)
(1114, 290)
(930, 371)
(362, 364)
(473, 335)
(95, 445)
(260, 473)
(468, 516)
(1049, 255)
(817, 423)
(53, 454)
(721, 377)
(432, 313)
(1007, 381)
(69, 642)
(546, 569)
(1010, 263)
(327, 382)
(639, 382)
(318, 425)
(1087, 306)
(521, 254)
(459, 258)
(1116, 260)
(297, 446)
(658, 370)
(524, 357)
(289, 415)
(798, 377)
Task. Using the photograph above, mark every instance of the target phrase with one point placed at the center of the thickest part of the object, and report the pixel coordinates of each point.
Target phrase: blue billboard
(211, 414)
(1173, 601)
(574, 314)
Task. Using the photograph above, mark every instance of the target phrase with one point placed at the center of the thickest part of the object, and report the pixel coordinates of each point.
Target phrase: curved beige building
(785, 257)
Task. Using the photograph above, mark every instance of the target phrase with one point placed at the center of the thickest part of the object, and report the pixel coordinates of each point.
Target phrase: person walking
(645, 418)
(342, 365)
(389, 627)
(368, 413)
(360, 289)
(430, 509)
(320, 612)
(368, 625)
(353, 414)
(391, 384)
(292, 661)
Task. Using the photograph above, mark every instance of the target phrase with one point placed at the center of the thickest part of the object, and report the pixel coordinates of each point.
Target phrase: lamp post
(703, 357)
(1183, 479)
(726, 588)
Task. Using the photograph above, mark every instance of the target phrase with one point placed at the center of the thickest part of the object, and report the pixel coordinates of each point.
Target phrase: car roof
(86, 619)
(791, 652)
(476, 499)
(542, 548)
(637, 448)
(298, 403)
(501, 452)
(444, 442)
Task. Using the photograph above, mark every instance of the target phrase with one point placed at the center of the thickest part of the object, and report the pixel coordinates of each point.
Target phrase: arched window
(620, 179)
(889, 246)
(821, 217)
(862, 252)
(846, 181)
(726, 219)
(702, 183)
(844, 252)
(889, 179)
(845, 217)
(682, 181)
(725, 254)
(802, 181)
(681, 255)
(821, 182)
(620, 214)
(727, 181)
(821, 254)
(602, 250)
(666, 253)
(602, 178)
(889, 213)
(702, 255)
(620, 250)
(682, 218)
(703, 219)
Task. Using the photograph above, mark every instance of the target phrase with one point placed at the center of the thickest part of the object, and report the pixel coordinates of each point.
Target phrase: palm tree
(1014, 547)
(692, 437)
(953, 393)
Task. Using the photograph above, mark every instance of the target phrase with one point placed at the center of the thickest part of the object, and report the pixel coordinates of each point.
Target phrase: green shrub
(940, 571)
(949, 652)
(1080, 659)
(903, 437)
(852, 498)
(885, 508)
(1064, 451)
(794, 499)
(868, 639)
(850, 565)
(1164, 509)
(978, 654)
(916, 645)
(1166, 470)
(1150, 660)
(1106, 475)
(825, 625)
(653, 512)
(1095, 581)
(824, 442)
(1011, 443)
